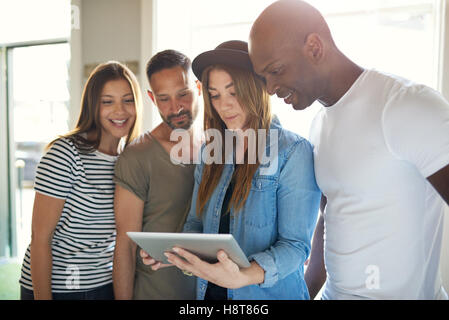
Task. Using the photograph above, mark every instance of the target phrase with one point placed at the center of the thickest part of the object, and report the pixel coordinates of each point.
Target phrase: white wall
(76, 70)
(147, 45)
(110, 30)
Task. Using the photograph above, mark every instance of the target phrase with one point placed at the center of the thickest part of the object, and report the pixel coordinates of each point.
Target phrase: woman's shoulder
(64, 145)
(61, 157)
(288, 141)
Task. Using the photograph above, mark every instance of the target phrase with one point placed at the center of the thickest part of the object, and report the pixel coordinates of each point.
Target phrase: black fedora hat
(232, 53)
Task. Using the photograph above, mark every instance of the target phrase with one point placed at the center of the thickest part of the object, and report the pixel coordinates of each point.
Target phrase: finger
(144, 254)
(177, 261)
(190, 257)
(159, 265)
(148, 261)
(155, 266)
(223, 258)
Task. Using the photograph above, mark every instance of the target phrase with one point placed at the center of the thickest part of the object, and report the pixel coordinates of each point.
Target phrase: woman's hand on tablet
(149, 261)
(225, 273)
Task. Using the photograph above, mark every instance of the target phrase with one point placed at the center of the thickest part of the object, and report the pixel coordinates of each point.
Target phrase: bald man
(381, 148)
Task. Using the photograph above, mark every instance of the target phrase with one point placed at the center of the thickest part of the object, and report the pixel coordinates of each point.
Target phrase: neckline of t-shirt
(100, 154)
(105, 156)
(165, 153)
(347, 95)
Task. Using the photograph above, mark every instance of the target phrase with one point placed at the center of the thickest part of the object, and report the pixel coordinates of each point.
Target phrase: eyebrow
(269, 66)
(111, 96)
(166, 94)
(226, 87)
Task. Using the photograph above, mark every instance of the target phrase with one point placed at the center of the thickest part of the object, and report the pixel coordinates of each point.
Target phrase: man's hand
(149, 261)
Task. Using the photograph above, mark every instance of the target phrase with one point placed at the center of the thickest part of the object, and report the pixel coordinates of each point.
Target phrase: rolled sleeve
(267, 263)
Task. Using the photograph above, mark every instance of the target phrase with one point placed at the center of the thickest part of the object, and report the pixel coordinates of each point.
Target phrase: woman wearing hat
(271, 214)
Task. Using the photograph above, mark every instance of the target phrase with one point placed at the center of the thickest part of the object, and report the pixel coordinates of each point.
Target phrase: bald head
(291, 46)
(287, 20)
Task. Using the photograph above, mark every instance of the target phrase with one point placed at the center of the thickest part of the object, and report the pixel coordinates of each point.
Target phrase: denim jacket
(276, 223)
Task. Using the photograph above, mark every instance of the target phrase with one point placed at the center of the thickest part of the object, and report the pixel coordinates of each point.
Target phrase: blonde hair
(254, 99)
(89, 117)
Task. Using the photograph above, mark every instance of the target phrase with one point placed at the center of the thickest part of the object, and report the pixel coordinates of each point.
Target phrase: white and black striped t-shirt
(84, 238)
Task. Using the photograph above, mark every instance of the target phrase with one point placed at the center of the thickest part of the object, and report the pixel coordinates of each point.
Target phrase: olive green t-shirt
(145, 169)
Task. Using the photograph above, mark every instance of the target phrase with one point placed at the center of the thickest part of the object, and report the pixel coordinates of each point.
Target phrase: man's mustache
(186, 112)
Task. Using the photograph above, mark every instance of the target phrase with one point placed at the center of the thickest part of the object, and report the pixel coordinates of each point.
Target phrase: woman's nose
(119, 107)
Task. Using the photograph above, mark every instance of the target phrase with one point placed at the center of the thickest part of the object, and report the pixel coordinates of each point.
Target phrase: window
(31, 20)
(34, 56)
(395, 36)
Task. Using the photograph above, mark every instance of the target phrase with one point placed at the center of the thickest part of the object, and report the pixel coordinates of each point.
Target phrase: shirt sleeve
(130, 174)
(298, 199)
(416, 128)
(56, 170)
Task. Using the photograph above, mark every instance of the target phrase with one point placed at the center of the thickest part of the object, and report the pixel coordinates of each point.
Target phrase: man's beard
(186, 124)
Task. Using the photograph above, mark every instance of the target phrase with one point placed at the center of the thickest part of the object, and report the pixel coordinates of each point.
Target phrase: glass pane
(40, 101)
(27, 20)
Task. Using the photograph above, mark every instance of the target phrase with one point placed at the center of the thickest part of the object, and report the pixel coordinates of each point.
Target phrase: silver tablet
(204, 245)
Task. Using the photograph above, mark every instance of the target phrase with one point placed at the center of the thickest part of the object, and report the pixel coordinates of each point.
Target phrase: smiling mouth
(119, 123)
(288, 98)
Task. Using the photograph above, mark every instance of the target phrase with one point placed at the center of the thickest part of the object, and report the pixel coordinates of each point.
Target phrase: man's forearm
(124, 269)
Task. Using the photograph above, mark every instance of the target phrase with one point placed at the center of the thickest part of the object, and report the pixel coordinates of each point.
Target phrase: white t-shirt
(373, 151)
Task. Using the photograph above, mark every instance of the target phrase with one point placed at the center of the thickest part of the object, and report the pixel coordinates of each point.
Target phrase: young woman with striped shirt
(73, 227)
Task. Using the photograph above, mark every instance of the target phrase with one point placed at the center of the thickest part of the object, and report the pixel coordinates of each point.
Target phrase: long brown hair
(89, 117)
(254, 99)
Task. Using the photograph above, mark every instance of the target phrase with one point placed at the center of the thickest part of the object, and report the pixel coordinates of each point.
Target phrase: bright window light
(31, 20)
(394, 36)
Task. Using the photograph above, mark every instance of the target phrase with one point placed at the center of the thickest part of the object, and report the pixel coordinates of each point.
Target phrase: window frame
(8, 216)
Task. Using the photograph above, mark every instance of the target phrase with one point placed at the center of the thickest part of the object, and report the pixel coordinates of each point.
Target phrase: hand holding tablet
(205, 246)
(150, 261)
(215, 258)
